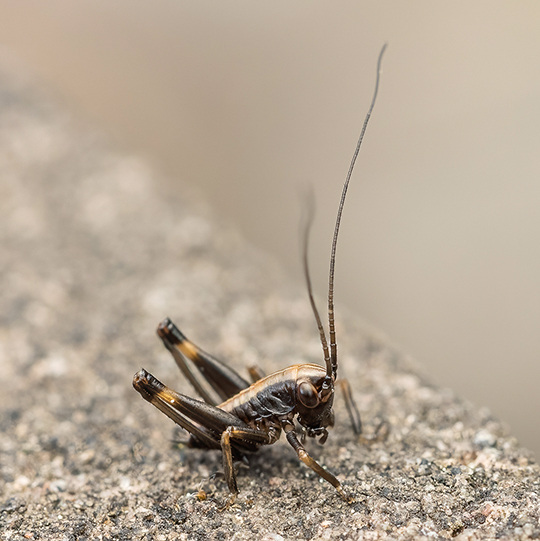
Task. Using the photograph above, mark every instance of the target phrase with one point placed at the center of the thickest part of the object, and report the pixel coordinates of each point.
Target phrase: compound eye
(307, 394)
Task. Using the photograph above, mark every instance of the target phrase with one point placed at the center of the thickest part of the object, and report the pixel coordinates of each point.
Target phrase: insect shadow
(296, 400)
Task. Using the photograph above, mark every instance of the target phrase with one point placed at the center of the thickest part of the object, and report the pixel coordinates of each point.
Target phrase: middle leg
(256, 437)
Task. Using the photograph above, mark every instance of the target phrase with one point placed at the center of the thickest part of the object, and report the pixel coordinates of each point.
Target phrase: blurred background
(250, 101)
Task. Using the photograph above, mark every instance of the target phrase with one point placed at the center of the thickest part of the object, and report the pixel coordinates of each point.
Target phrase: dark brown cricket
(252, 415)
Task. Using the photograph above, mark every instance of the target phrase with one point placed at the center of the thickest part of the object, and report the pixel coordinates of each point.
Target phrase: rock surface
(93, 256)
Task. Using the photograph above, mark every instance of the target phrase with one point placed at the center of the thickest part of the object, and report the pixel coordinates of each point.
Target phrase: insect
(251, 416)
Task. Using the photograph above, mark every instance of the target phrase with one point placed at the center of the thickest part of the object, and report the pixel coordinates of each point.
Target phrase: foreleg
(352, 409)
(303, 455)
(381, 432)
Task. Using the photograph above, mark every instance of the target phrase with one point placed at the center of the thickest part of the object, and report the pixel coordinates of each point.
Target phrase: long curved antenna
(331, 321)
(305, 229)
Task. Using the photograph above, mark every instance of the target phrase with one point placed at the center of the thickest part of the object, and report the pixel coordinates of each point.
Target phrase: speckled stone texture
(93, 255)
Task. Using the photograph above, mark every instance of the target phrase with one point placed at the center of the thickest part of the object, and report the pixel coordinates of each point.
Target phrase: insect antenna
(306, 227)
(331, 368)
